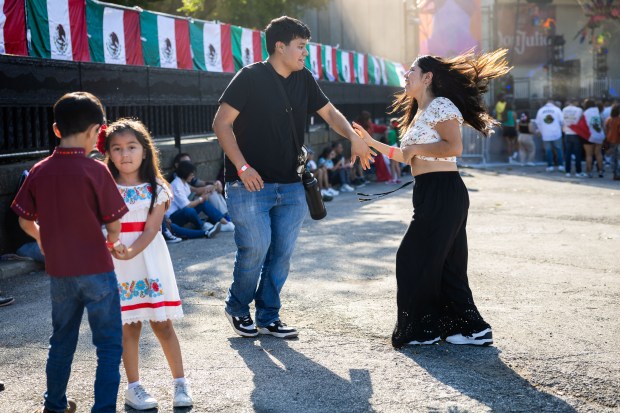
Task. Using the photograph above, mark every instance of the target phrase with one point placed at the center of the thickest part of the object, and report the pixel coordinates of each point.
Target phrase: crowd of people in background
(571, 132)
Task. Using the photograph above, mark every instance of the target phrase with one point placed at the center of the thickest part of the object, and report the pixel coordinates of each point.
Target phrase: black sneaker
(481, 338)
(6, 301)
(279, 329)
(244, 325)
(210, 233)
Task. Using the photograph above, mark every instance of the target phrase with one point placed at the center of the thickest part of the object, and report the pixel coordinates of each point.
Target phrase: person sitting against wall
(184, 210)
(342, 167)
(200, 187)
(20, 242)
(321, 177)
(213, 191)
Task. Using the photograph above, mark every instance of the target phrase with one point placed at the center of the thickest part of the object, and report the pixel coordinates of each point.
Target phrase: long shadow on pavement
(479, 373)
(285, 380)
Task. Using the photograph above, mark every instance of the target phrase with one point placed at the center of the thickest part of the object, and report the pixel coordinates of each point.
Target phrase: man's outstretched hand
(359, 149)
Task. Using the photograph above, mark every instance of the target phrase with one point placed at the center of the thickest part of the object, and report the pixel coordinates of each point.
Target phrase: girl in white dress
(146, 280)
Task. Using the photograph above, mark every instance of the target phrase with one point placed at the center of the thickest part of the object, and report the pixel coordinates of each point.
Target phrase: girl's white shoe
(138, 398)
(182, 395)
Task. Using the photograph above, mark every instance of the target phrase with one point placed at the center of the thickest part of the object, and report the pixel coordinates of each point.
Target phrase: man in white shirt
(574, 144)
(549, 121)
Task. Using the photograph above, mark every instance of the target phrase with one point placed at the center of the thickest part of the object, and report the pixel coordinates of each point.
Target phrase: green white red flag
(361, 68)
(58, 29)
(165, 41)
(13, 27)
(211, 46)
(330, 70)
(346, 68)
(247, 46)
(313, 60)
(374, 70)
(113, 34)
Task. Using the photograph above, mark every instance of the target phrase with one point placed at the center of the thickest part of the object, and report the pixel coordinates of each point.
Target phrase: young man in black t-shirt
(265, 196)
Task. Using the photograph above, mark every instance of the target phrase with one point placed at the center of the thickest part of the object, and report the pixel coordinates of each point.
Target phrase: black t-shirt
(263, 128)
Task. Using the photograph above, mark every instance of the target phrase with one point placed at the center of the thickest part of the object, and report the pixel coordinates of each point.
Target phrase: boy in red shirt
(71, 196)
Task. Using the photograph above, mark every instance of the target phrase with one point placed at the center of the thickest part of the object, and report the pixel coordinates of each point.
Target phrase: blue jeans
(190, 215)
(574, 146)
(267, 224)
(97, 293)
(188, 233)
(32, 250)
(549, 147)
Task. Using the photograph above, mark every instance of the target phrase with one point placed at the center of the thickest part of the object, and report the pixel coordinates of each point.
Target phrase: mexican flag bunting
(346, 69)
(165, 41)
(400, 72)
(328, 55)
(211, 46)
(246, 46)
(383, 72)
(13, 27)
(374, 70)
(113, 34)
(313, 60)
(391, 74)
(263, 45)
(361, 68)
(58, 29)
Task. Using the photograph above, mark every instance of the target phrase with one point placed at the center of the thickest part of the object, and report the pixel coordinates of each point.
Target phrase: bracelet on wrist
(243, 169)
(114, 244)
(391, 154)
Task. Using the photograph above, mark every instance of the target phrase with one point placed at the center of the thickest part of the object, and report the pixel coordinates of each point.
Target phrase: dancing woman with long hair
(434, 299)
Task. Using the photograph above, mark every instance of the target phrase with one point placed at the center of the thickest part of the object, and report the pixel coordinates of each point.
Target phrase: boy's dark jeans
(98, 293)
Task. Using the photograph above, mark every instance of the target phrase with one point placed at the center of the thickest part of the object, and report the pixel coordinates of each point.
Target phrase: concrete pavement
(544, 270)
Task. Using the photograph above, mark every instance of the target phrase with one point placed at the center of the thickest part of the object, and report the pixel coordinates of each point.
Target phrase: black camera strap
(288, 108)
(372, 197)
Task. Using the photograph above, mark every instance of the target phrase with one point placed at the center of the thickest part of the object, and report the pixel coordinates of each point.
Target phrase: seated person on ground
(320, 172)
(183, 210)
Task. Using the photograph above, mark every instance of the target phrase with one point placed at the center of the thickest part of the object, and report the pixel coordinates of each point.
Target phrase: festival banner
(211, 46)
(346, 68)
(58, 29)
(328, 56)
(247, 46)
(374, 70)
(393, 73)
(313, 60)
(13, 27)
(361, 68)
(165, 41)
(450, 27)
(526, 33)
(113, 34)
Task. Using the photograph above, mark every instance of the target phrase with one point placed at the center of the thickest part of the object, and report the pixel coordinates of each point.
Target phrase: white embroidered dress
(146, 283)
(423, 130)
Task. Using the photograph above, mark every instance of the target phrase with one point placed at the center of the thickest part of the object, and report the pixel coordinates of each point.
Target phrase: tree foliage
(254, 14)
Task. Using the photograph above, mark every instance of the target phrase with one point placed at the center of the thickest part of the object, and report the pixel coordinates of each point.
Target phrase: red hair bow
(101, 139)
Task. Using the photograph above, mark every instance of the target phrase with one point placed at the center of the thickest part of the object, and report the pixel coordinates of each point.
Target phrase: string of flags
(94, 31)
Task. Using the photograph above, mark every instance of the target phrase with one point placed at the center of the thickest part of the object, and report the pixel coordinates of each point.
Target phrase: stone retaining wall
(206, 154)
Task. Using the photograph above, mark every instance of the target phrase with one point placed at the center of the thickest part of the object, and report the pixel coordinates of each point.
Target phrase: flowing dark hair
(149, 168)
(463, 79)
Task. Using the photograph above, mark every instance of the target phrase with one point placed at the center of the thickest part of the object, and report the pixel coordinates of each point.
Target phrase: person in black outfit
(434, 299)
(264, 192)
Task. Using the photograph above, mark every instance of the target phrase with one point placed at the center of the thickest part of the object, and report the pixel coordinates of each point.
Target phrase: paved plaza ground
(544, 269)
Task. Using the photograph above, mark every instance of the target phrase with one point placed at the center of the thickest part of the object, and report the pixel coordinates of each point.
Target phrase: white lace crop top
(423, 130)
